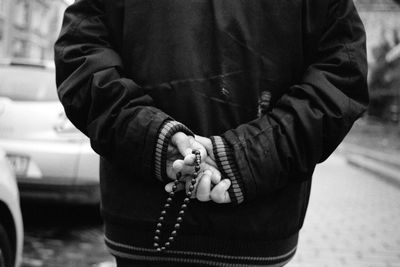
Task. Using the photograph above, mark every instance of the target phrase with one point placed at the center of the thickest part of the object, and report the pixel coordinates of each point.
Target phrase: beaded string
(184, 206)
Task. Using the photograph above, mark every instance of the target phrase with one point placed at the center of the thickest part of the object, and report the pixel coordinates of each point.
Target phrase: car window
(21, 83)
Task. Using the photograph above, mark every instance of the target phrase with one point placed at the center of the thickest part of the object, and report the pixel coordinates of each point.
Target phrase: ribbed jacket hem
(226, 164)
(207, 251)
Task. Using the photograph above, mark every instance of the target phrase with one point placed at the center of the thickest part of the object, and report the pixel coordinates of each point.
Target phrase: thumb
(182, 143)
(219, 193)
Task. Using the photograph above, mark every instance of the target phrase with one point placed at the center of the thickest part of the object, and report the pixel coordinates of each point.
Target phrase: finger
(215, 173)
(189, 159)
(206, 142)
(204, 187)
(182, 143)
(169, 187)
(197, 146)
(170, 171)
(211, 162)
(180, 166)
(220, 194)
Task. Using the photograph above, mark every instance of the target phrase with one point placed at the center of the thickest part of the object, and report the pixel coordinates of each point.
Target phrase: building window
(20, 48)
(3, 6)
(21, 16)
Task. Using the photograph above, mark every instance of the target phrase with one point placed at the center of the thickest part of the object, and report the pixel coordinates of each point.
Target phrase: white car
(51, 158)
(11, 228)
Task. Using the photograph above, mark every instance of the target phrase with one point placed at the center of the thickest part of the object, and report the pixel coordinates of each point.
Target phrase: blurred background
(354, 213)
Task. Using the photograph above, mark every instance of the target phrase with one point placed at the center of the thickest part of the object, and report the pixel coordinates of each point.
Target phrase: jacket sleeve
(309, 121)
(112, 110)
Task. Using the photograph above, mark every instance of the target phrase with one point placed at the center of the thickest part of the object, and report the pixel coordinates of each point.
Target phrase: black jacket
(126, 67)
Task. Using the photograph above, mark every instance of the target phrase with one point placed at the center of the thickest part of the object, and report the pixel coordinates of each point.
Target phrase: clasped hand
(209, 184)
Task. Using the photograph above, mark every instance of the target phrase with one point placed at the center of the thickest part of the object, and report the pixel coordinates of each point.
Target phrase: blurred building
(382, 23)
(28, 28)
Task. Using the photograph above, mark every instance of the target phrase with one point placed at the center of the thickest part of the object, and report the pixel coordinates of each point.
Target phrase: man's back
(279, 83)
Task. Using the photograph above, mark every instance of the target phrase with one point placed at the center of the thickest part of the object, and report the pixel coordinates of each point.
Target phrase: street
(67, 236)
(353, 220)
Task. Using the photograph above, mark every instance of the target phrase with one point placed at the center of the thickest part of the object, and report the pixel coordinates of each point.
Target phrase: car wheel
(5, 249)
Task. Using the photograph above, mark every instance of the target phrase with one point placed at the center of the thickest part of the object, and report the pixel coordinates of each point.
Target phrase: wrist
(165, 133)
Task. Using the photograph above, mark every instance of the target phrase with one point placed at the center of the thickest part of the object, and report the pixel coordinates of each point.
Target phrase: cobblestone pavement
(353, 220)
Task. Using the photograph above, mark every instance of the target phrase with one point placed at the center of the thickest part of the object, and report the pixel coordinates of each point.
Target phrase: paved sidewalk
(353, 220)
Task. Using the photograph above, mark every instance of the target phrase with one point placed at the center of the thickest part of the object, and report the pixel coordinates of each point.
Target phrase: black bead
(177, 226)
(171, 239)
(181, 213)
(174, 187)
(186, 200)
(163, 212)
(162, 248)
(169, 200)
(197, 168)
(158, 249)
(156, 245)
(156, 238)
(174, 233)
(179, 219)
(193, 181)
(195, 174)
(176, 182)
(184, 206)
(189, 194)
(159, 225)
(167, 205)
(191, 188)
(158, 232)
(171, 194)
(167, 244)
(161, 219)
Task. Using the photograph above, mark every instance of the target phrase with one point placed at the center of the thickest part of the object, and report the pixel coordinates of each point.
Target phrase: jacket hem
(206, 259)
(207, 250)
(190, 260)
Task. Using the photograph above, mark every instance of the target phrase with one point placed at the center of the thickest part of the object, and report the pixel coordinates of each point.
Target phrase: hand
(207, 144)
(186, 168)
(209, 185)
(219, 194)
(204, 188)
(182, 146)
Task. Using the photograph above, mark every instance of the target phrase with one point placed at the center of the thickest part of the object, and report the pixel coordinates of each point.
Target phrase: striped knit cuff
(166, 131)
(227, 165)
